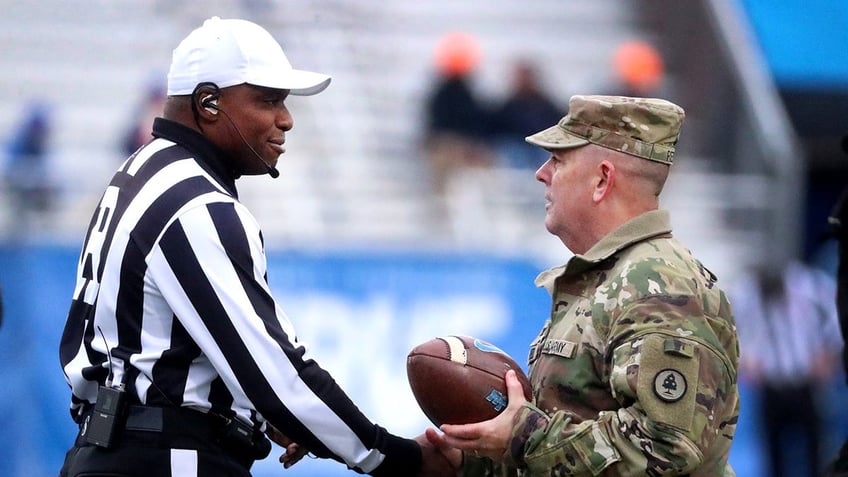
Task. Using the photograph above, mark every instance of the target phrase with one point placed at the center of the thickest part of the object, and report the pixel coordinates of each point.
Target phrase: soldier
(635, 371)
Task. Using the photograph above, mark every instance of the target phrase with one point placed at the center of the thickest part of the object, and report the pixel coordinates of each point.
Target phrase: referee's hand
(294, 452)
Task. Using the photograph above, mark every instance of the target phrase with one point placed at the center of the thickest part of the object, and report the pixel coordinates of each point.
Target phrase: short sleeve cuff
(530, 420)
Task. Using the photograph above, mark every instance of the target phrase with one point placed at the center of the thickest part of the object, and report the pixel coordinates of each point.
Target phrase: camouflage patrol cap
(642, 127)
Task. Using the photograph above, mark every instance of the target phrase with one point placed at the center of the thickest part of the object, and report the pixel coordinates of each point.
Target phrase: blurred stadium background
(359, 252)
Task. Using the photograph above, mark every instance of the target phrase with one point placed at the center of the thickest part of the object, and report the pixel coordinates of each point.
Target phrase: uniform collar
(640, 228)
(207, 154)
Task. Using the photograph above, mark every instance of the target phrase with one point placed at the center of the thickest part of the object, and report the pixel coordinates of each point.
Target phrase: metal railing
(772, 140)
(741, 124)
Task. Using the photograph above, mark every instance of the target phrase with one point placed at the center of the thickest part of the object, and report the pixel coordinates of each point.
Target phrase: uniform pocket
(586, 449)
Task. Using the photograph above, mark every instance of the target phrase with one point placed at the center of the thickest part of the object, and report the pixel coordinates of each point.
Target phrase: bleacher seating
(353, 175)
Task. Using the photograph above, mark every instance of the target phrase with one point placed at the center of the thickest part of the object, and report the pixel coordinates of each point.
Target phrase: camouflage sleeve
(673, 386)
(480, 467)
(533, 419)
(485, 467)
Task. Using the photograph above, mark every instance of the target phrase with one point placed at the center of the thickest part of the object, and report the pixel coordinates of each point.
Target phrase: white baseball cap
(230, 52)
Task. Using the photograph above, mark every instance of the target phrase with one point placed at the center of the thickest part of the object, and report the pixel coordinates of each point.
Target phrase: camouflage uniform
(635, 371)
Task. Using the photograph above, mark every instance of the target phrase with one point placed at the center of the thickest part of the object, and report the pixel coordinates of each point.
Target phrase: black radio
(102, 425)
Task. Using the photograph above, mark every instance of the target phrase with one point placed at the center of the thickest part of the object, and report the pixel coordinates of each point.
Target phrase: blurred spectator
(639, 69)
(837, 220)
(141, 122)
(26, 175)
(456, 120)
(526, 110)
(789, 335)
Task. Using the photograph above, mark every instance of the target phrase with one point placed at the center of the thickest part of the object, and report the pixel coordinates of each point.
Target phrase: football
(460, 379)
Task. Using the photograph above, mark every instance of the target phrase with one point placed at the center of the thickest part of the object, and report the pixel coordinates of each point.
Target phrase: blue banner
(359, 314)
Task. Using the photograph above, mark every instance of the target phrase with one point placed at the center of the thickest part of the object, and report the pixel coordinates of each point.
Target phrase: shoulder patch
(668, 368)
(670, 385)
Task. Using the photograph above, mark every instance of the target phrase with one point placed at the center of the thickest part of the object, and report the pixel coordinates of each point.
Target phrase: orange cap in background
(639, 65)
(457, 53)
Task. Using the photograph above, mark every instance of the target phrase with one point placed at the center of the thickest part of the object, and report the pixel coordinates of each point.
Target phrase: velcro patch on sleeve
(668, 380)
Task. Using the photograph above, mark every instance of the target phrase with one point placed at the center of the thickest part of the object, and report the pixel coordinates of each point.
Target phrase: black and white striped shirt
(784, 334)
(172, 279)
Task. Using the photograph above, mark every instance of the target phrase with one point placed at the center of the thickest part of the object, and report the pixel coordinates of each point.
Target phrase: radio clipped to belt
(112, 415)
(102, 425)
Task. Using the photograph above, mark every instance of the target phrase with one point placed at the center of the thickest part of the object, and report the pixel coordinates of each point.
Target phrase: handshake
(469, 389)
(443, 452)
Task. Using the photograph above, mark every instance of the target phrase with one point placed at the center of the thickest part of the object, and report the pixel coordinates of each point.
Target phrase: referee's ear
(205, 101)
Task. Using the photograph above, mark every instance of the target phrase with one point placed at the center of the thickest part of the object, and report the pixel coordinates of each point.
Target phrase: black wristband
(403, 456)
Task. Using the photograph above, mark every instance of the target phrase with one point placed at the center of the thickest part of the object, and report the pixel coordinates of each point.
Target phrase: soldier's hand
(488, 438)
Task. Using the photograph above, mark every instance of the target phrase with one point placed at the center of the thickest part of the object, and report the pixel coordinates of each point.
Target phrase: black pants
(162, 442)
(792, 411)
(839, 466)
(133, 461)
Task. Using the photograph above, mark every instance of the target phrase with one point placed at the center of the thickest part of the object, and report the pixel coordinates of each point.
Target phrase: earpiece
(210, 103)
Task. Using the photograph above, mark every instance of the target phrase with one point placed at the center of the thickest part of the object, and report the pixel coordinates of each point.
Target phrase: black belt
(158, 419)
(183, 428)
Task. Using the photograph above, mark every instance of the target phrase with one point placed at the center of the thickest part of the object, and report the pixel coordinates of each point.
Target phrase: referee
(180, 361)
